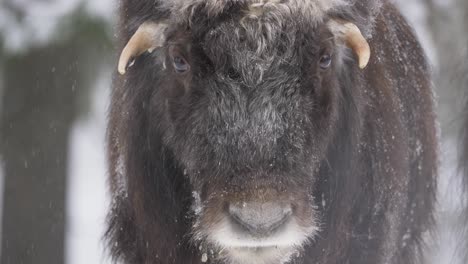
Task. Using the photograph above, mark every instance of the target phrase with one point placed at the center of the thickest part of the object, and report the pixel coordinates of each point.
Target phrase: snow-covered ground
(87, 192)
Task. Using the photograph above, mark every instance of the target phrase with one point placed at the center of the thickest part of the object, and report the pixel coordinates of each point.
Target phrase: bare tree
(42, 88)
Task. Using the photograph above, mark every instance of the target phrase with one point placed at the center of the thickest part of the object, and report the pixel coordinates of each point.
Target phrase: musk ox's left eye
(180, 64)
(325, 61)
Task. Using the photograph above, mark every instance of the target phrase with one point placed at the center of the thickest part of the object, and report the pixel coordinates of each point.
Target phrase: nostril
(259, 219)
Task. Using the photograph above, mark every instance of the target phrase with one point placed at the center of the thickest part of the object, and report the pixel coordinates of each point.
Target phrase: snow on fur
(311, 9)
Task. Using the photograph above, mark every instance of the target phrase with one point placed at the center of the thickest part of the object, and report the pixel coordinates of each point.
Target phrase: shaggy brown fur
(256, 118)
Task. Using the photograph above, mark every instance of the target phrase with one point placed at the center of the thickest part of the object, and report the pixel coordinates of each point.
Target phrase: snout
(257, 227)
(259, 219)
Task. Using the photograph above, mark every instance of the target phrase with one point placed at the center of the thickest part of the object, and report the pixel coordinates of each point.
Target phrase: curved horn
(148, 37)
(353, 37)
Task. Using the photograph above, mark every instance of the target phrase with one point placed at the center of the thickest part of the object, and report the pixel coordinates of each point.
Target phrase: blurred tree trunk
(41, 99)
(449, 31)
(38, 110)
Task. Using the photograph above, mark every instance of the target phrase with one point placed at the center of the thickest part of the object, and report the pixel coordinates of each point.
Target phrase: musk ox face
(247, 101)
(249, 125)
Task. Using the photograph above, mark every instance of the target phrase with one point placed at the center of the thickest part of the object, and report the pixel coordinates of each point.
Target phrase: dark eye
(180, 64)
(325, 61)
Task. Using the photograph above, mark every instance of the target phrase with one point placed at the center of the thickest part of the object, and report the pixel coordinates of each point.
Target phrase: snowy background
(30, 25)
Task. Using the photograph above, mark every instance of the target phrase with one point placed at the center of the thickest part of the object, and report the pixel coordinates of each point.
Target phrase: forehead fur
(311, 9)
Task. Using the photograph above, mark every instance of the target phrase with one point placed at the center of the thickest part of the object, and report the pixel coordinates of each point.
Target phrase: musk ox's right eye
(325, 61)
(180, 64)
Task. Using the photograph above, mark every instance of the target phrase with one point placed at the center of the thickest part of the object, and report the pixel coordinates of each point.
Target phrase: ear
(350, 34)
(148, 37)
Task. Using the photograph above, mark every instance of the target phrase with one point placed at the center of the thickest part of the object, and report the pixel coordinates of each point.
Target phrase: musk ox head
(246, 98)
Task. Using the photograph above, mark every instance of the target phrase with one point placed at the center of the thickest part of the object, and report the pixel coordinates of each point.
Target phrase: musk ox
(268, 132)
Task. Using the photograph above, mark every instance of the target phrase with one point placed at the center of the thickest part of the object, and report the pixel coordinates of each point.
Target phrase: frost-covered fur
(229, 246)
(257, 117)
(313, 10)
(364, 11)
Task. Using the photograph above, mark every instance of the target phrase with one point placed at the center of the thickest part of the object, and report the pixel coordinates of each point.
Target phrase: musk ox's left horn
(353, 37)
(149, 36)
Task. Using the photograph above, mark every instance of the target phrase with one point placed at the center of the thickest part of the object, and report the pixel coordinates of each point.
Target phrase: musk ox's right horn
(149, 36)
(353, 37)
